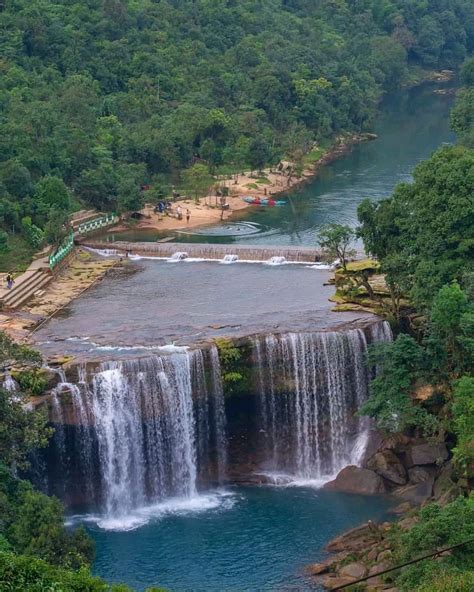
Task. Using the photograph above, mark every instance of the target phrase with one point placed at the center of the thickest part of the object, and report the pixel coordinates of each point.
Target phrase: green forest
(102, 97)
(423, 237)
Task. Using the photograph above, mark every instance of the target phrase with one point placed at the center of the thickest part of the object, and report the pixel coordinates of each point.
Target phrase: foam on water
(214, 500)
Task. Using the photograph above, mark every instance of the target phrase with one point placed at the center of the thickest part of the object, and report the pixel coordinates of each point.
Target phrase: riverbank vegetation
(103, 98)
(423, 238)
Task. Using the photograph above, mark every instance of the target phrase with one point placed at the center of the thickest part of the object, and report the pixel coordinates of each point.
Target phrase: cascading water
(139, 436)
(139, 433)
(178, 256)
(230, 259)
(276, 261)
(311, 384)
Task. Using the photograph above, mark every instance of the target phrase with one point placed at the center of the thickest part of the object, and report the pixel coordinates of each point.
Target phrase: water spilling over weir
(137, 432)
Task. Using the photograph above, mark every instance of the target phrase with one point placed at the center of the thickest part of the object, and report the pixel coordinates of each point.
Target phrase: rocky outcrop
(420, 474)
(416, 494)
(360, 552)
(354, 479)
(427, 454)
(388, 465)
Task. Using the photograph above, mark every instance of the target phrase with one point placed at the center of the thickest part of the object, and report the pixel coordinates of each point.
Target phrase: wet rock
(356, 480)
(353, 570)
(416, 494)
(427, 454)
(420, 474)
(387, 465)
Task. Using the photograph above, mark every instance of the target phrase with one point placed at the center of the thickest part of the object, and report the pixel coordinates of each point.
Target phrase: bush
(19, 573)
(438, 527)
(32, 233)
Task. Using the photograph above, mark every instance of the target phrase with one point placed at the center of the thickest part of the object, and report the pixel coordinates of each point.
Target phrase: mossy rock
(363, 265)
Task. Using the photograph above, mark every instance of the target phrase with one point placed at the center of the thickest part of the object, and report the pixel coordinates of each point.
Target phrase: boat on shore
(267, 201)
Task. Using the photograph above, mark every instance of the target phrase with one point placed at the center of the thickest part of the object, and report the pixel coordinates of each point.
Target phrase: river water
(411, 126)
(258, 538)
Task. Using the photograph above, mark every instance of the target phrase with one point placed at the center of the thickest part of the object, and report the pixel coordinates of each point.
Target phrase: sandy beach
(269, 183)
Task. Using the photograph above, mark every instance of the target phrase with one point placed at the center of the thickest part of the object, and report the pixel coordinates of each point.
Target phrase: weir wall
(210, 251)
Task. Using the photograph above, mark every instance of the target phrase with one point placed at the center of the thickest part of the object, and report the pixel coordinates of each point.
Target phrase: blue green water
(252, 539)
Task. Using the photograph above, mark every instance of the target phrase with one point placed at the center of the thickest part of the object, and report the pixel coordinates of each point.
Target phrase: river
(240, 538)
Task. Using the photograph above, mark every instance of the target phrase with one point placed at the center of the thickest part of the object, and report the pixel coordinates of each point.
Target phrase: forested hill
(101, 96)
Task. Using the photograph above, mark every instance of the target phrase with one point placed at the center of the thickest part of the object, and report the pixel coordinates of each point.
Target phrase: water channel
(233, 538)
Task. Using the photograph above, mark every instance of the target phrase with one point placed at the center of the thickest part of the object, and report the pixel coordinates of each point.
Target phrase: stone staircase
(35, 278)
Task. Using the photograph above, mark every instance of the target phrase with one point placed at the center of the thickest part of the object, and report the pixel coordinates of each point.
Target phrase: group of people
(179, 213)
(163, 207)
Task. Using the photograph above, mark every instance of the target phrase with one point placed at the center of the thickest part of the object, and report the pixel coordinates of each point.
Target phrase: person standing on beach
(188, 215)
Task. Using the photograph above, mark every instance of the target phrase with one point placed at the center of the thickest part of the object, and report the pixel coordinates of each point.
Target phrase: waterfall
(310, 385)
(145, 429)
(136, 433)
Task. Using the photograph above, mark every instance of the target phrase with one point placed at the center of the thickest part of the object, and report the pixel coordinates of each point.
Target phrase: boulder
(427, 454)
(331, 581)
(317, 569)
(416, 494)
(388, 466)
(353, 479)
(420, 474)
(396, 442)
(354, 540)
(353, 570)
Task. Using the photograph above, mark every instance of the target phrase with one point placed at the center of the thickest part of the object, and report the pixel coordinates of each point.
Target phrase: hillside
(101, 97)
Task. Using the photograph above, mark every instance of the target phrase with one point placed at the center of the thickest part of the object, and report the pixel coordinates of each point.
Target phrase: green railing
(96, 224)
(61, 251)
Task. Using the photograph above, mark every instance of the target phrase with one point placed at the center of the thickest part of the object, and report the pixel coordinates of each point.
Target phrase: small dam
(294, 254)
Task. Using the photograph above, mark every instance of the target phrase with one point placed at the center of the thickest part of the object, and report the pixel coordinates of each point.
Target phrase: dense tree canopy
(100, 97)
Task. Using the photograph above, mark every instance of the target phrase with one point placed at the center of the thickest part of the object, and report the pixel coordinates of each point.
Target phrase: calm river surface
(253, 538)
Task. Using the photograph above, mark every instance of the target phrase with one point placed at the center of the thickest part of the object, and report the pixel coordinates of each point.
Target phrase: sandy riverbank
(270, 183)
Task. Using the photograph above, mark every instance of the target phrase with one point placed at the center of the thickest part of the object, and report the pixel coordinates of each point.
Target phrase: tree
(399, 366)
(21, 429)
(52, 193)
(467, 73)
(198, 180)
(336, 240)
(55, 231)
(448, 321)
(463, 424)
(130, 197)
(259, 154)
